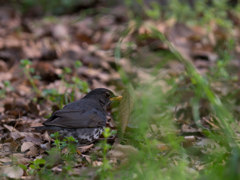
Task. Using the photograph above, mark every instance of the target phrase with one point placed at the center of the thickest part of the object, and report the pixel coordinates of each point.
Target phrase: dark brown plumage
(84, 119)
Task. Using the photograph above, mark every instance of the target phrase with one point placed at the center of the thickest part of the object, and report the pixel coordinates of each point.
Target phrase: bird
(83, 119)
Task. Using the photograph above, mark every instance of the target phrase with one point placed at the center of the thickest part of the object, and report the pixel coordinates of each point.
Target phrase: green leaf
(25, 62)
(32, 70)
(70, 139)
(67, 70)
(55, 135)
(23, 166)
(106, 132)
(52, 92)
(32, 166)
(37, 77)
(78, 64)
(6, 83)
(39, 162)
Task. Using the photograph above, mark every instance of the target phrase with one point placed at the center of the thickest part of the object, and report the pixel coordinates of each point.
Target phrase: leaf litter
(55, 46)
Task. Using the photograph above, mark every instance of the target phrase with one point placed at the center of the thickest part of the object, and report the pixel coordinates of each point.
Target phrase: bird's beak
(116, 98)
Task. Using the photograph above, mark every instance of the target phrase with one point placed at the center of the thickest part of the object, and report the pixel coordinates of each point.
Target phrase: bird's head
(104, 96)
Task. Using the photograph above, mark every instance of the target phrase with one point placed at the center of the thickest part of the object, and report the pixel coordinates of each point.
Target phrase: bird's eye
(107, 94)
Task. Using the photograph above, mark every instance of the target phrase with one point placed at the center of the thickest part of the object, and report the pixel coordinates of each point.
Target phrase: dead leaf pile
(52, 45)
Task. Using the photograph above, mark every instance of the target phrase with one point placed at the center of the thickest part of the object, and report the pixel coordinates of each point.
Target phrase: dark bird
(84, 119)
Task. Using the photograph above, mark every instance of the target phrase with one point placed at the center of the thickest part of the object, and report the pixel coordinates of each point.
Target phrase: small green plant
(72, 82)
(78, 64)
(193, 13)
(66, 142)
(220, 71)
(106, 166)
(153, 115)
(7, 87)
(67, 150)
(54, 96)
(64, 152)
(28, 70)
(79, 84)
(37, 165)
(154, 11)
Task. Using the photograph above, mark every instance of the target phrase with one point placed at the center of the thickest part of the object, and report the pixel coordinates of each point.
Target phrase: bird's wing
(77, 119)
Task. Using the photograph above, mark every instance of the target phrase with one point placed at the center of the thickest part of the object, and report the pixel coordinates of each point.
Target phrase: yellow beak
(117, 98)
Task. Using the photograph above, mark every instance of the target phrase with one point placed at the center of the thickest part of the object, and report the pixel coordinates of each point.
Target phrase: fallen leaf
(60, 32)
(33, 151)
(5, 160)
(45, 146)
(7, 148)
(16, 135)
(3, 66)
(35, 138)
(46, 137)
(10, 128)
(57, 169)
(26, 146)
(13, 172)
(19, 158)
(84, 149)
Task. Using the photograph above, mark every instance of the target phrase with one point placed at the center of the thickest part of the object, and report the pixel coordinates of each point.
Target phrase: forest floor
(181, 94)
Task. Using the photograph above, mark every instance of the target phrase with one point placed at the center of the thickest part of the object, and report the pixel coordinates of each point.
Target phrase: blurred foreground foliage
(165, 102)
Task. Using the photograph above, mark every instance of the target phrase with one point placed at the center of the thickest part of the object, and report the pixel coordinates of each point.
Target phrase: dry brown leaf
(45, 146)
(188, 129)
(3, 66)
(60, 32)
(26, 146)
(24, 90)
(16, 135)
(5, 160)
(46, 71)
(8, 148)
(10, 128)
(19, 158)
(84, 149)
(35, 138)
(46, 137)
(14, 172)
(33, 151)
(57, 169)
(5, 76)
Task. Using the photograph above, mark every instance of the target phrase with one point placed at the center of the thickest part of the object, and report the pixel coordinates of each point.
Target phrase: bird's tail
(40, 128)
(47, 128)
